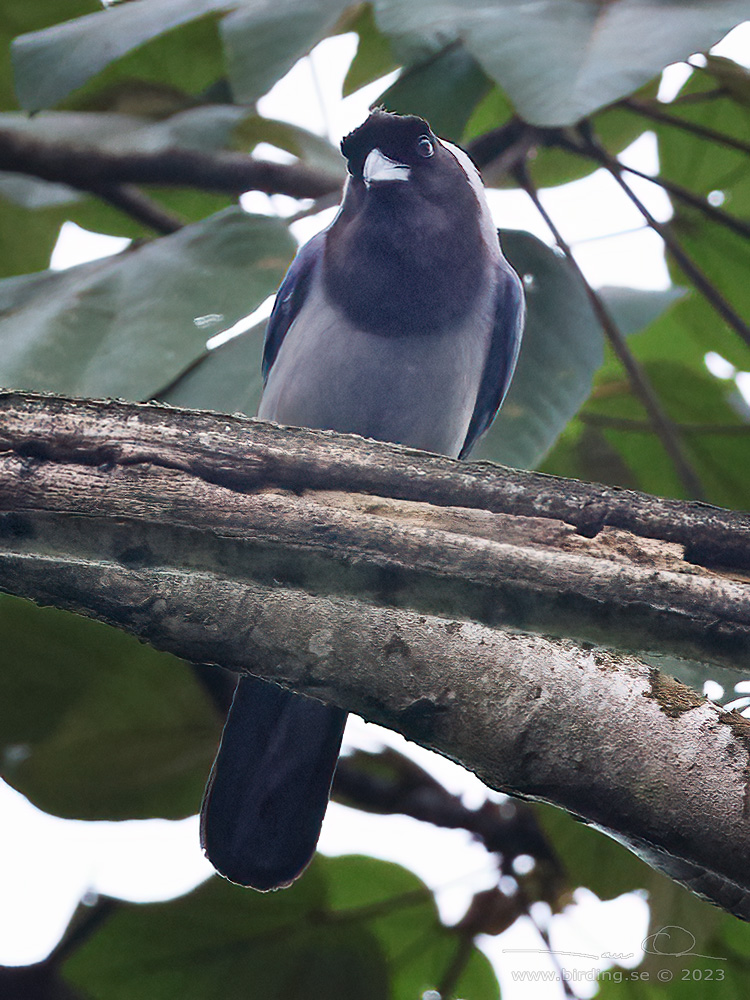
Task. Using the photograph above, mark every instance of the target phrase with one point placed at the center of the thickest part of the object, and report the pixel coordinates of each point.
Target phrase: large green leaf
(350, 927)
(615, 128)
(185, 204)
(684, 334)
(19, 16)
(444, 91)
(373, 58)
(418, 948)
(559, 60)
(127, 325)
(227, 379)
(263, 41)
(724, 258)
(27, 239)
(689, 396)
(310, 148)
(699, 164)
(561, 350)
(172, 70)
(51, 63)
(96, 725)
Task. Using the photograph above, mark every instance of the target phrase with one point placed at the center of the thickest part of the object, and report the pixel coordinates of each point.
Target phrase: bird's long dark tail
(268, 790)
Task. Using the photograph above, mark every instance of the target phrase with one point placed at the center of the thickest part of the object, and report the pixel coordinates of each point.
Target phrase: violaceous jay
(401, 321)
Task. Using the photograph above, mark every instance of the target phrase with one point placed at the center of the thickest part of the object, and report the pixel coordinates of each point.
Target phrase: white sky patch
(76, 245)
(712, 690)
(735, 45)
(719, 366)
(47, 864)
(607, 233)
(673, 79)
(582, 936)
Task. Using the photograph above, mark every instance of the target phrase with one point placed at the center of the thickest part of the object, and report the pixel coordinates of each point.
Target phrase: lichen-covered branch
(396, 584)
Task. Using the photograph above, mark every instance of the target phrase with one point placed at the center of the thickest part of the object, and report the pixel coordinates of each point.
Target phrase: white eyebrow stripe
(487, 225)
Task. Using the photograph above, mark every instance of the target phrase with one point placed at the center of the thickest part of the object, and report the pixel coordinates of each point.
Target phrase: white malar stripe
(486, 222)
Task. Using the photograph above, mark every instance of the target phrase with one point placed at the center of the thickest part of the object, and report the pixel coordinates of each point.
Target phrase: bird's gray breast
(417, 391)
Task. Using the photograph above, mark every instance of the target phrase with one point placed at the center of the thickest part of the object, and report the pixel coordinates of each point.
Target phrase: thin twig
(738, 226)
(139, 206)
(544, 935)
(86, 920)
(502, 149)
(664, 427)
(456, 966)
(707, 289)
(701, 97)
(655, 113)
(640, 426)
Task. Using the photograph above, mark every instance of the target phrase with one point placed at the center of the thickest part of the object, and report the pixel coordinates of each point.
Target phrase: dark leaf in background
(263, 41)
(183, 66)
(96, 725)
(615, 129)
(724, 257)
(312, 149)
(689, 396)
(444, 91)
(559, 60)
(561, 351)
(27, 239)
(227, 379)
(351, 927)
(18, 16)
(127, 325)
(51, 63)
(374, 57)
(699, 164)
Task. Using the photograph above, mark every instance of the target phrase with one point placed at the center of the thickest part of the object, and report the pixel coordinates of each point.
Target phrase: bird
(402, 322)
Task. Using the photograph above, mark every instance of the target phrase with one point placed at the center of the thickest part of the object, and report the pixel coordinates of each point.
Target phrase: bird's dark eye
(424, 146)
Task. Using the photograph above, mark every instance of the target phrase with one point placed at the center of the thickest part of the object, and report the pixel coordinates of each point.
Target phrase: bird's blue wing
(501, 360)
(291, 297)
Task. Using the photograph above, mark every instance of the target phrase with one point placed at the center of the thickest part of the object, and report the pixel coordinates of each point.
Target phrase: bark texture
(466, 606)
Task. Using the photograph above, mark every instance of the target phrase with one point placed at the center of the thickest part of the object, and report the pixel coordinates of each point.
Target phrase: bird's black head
(408, 252)
(405, 139)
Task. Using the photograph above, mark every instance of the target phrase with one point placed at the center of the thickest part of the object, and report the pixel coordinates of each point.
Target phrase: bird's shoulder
(291, 297)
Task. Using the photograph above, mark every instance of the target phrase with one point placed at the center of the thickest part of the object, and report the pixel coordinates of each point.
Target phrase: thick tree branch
(221, 539)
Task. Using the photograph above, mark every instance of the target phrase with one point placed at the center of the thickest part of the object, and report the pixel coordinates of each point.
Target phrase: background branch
(89, 169)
